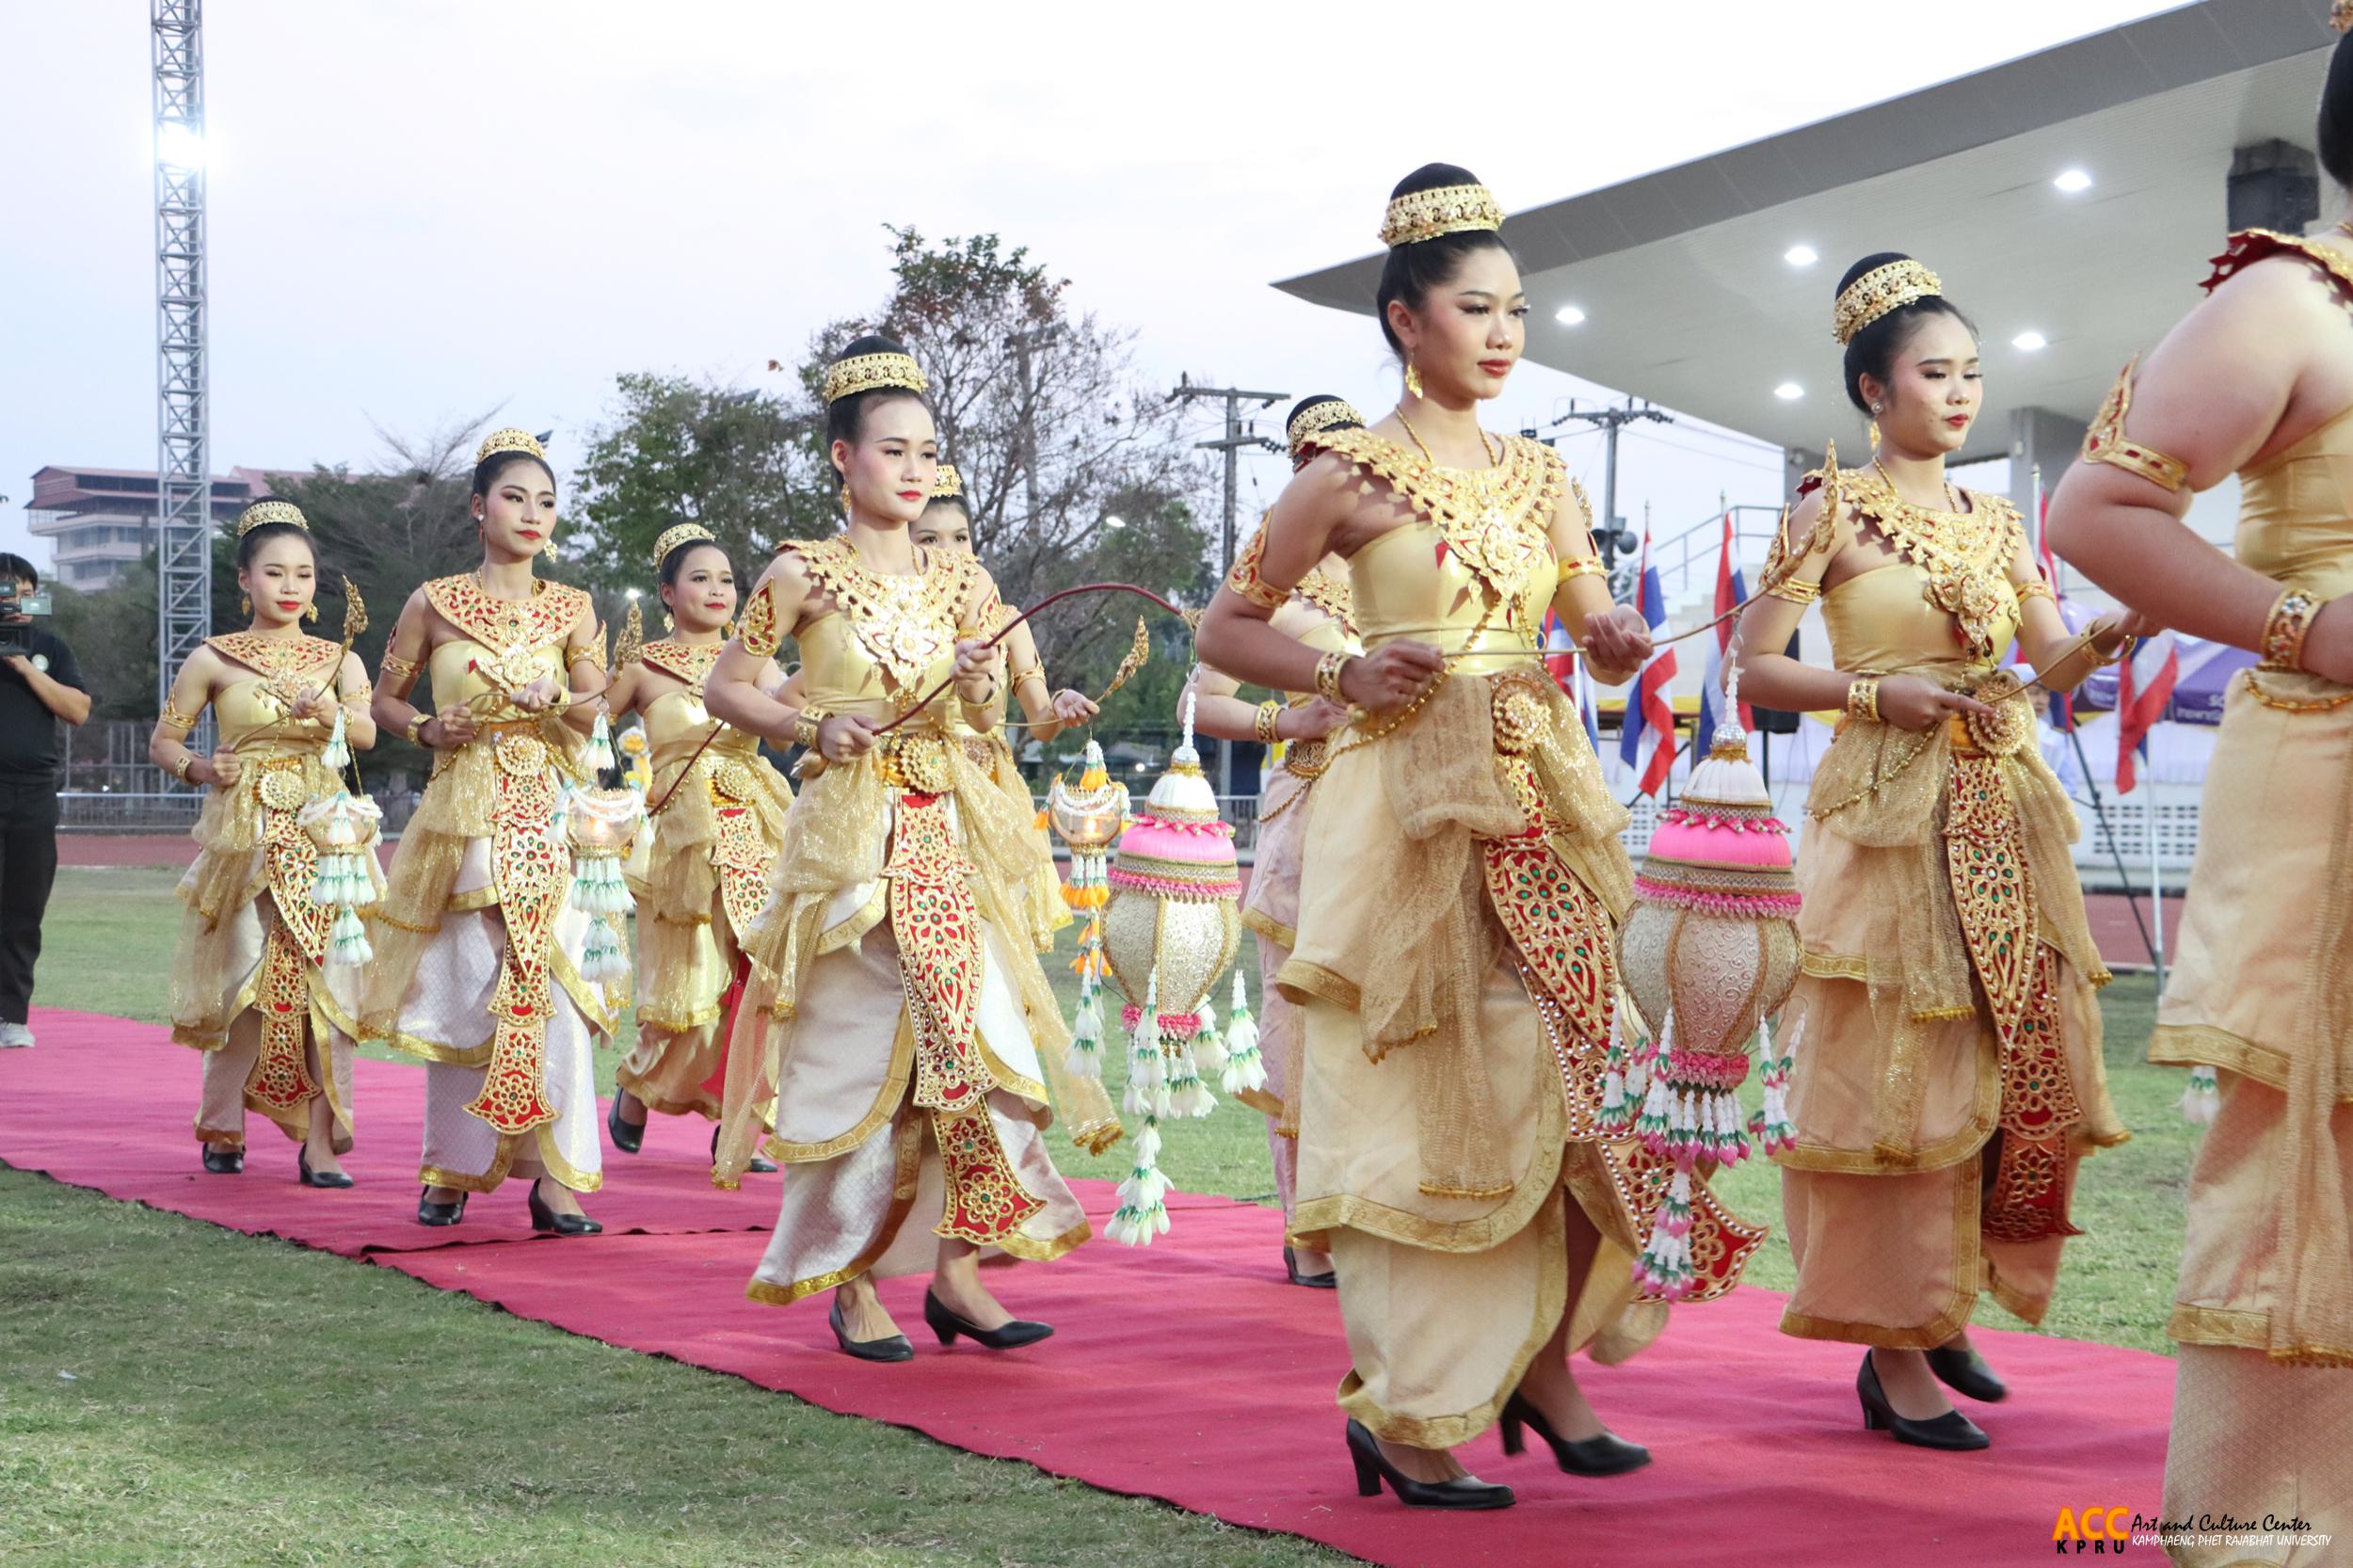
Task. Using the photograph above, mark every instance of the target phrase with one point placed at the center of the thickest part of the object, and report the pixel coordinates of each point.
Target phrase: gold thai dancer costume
(479, 947)
(1319, 614)
(896, 1013)
(1947, 1078)
(1456, 964)
(2262, 991)
(710, 854)
(251, 984)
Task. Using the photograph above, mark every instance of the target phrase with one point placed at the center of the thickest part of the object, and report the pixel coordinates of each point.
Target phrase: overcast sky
(426, 210)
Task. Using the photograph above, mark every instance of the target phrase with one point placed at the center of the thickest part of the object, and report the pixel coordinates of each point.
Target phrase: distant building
(101, 520)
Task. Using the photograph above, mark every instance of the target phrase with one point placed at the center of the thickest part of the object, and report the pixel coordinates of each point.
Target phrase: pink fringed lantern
(1710, 949)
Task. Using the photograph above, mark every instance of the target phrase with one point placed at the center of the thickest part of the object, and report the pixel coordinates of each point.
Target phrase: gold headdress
(675, 536)
(1424, 215)
(2340, 16)
(509, 441)
(949, 484)
(1879, 291)
(870, 372)
(270, 511)
(1311, 419)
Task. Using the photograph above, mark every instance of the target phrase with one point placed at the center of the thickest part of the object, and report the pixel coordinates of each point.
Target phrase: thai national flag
(1730, 590)
(1648, 745)
(2143, 688)
(1567, 668)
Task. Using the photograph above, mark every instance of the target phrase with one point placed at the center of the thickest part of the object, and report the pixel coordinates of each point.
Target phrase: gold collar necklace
(1486, 443)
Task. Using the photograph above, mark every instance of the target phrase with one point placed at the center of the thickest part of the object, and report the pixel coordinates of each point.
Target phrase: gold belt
(916, 761)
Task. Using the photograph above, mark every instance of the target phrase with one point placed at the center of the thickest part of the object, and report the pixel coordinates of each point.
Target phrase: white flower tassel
(1142, 1212)
(1664, 1270)
(2201, 1101)
(341, 882)
(336, 753)
(598, 885)
(1086, 1031)
(1770, 1126)
(1245, 1065)
(348, 940)
(1147, 1070)
(1188, 1096)
(1659, 1106)
(602, 960)
(1208, 1046)
(601, 745)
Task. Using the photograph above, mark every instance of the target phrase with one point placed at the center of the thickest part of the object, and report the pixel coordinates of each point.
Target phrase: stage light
(2073, 181)
(1788, 391)
(1800, 255)
(1568, 316)
(179, 146)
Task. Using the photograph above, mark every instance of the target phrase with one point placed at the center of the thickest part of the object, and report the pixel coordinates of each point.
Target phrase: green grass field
(174, 1393)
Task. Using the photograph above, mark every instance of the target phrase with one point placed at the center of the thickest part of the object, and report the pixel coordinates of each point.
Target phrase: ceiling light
(1800, 255)
(2029, 342)
(1788, 391)
(2073, 180)
(1568, 315)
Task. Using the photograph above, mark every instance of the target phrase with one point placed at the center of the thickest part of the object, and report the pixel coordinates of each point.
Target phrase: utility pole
(1610, 535)
(1022, 342)
(1231, 445)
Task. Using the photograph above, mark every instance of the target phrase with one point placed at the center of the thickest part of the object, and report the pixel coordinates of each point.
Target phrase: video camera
(17, 611)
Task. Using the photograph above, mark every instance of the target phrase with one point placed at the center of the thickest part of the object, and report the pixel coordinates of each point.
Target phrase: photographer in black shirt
(40, 686)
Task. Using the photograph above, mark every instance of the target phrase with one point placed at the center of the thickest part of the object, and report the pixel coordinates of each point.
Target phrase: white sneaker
(15, 1035)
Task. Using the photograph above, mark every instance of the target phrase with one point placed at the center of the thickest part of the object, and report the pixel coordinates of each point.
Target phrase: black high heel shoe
(1951, 1430)
(548, 1221)
(1964, 1372)
(890, 1347)
(761, 1164)
(1328, 1280)
(430, 1213)
(319, 1178)
(1373, 1467)
(224, 1161)
(1007, 1337)
(1606, 1455)
(627, 1138)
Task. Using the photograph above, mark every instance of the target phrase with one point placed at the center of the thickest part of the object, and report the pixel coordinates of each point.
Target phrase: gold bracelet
(1269, 713)
(414, 730)
(179, 768)
(805, 726)
(1328, 670)
(1863, 698)
(2286, 628)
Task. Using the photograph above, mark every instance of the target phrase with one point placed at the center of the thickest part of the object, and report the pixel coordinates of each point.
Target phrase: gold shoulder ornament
(2105, 441)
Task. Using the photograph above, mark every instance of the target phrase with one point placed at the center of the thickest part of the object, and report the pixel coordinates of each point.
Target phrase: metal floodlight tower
(183, 475)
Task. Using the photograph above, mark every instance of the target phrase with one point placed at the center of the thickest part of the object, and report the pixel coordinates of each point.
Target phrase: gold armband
(1328, 670)
(1245, 583)
(2034, 588)
(2105, 441)
(394, 667)
(1263, 727)
(1582, 565)
(1036, 672)
(1795, 590)
(2286, 628)
(1863, 698)
(174, 719)
(758, 631)
(594, 654)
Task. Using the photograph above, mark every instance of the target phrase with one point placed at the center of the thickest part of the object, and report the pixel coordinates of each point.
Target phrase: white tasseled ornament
(1245, 1064)
(2201, 1100)
(336, 753)
(601, 745)
(1086, 1035)
(1208, 1046)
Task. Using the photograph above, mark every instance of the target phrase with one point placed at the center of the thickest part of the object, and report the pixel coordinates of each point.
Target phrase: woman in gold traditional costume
(253, 982)
(1459, 898)
(478, 947)
(1948, 1077)
(2257, 381)
(720, 820)
(897, 1014)
(1319, 615)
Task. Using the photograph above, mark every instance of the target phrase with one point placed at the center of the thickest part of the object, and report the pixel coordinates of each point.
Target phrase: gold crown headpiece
(949, 484)
(675, 536)
(872, 372)
(1424, 215)
(270, 511)
(2340, 16)
(1879, 291)
(509, 441)
(1331, 413)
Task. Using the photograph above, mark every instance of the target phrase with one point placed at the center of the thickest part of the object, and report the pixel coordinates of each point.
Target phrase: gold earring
(245, 605)
(726, 630)
(1873, 434)
(667, 624)
(845, 500)
(1413, 380)
(311, 613)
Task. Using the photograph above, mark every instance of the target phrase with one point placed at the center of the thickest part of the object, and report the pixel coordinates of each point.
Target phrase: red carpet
(1185, 1371)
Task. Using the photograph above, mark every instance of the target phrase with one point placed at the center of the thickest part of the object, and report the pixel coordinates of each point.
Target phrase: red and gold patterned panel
(986, 1201)
(531, 871)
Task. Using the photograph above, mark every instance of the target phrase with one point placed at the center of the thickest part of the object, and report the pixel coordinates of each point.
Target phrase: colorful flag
(2144, 687)
(1648, 745)
(1730, 590)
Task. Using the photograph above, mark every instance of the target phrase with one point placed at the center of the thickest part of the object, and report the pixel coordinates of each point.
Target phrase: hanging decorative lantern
(342, 827)
(1087, 818)
(1170, 932)
(600, 824)
(1710, 949)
